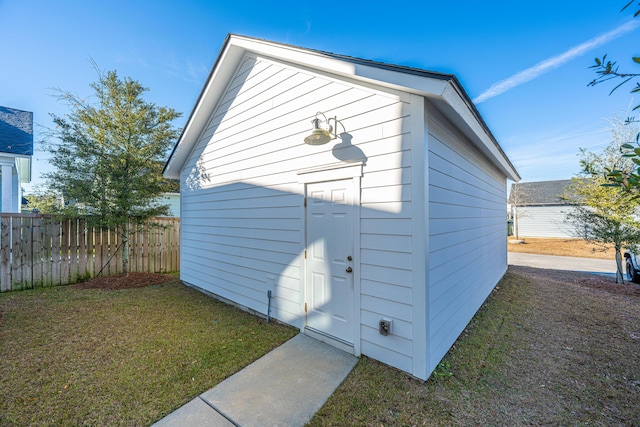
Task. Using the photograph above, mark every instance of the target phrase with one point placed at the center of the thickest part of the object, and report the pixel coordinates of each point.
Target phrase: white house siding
(545, 221)
(467, 230)
(386, 276)
(172, 200)
(242, 201)
(11, 200)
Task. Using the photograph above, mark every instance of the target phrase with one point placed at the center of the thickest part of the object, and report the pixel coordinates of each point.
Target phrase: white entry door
(329, 270)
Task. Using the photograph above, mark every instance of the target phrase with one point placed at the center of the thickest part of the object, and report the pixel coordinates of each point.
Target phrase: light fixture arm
(333, 129)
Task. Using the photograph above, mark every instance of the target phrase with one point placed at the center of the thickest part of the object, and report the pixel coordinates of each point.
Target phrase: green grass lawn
(73, 356)
(545, 349)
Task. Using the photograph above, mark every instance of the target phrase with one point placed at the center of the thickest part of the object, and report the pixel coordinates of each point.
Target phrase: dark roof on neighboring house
(16, 131)
(540, 193)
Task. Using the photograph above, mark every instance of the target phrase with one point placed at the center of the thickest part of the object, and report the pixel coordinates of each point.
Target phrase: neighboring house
(171, 198)
(173, 201)
(382, 242)
(539, 209)
(16, 149)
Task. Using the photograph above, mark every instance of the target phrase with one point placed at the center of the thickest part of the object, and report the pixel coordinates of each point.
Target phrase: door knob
(349, 269)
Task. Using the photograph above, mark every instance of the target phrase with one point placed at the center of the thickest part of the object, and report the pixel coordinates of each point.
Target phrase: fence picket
(47, 252)
(16, 261)
(36, 248)
(56, 258)
(26, 253)
(82, 249)
(73, 251)
(64, 249)
(145, 248)
(5, 254)
(104, 265)
(117, 235)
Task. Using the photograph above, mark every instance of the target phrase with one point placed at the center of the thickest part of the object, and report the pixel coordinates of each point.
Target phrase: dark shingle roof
(16, 131)
(540, 193)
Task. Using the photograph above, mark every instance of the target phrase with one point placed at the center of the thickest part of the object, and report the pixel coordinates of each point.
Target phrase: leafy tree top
(109, 150)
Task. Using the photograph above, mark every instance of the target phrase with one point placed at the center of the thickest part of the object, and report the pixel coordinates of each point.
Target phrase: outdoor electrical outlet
(385, 327)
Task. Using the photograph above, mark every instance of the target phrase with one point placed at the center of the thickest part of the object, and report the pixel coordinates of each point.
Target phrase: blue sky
(524, 63)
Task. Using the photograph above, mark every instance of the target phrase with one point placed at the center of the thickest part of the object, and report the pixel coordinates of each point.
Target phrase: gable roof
(16, 131)
(539, 193)
(444, 91)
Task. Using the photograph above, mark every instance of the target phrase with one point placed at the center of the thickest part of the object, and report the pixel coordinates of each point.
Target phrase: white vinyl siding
(467, 230)
(173, 201)
(429, 217)
(243, 214)
(385, 241)
(545, 221)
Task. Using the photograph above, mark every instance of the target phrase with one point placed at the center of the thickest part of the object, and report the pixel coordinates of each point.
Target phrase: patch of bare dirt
(132, 280)
(593, 281)
(563, 247)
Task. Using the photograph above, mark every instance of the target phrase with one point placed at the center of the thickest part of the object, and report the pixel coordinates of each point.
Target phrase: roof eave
(425, 83)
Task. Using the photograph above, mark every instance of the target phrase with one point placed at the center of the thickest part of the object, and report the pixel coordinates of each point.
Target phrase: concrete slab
(286, 387)
(194, 413)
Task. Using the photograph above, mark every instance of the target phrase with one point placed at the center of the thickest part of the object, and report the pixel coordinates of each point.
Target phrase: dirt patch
(132, 280)
(563, 247)
(593, 281)
(548, 347)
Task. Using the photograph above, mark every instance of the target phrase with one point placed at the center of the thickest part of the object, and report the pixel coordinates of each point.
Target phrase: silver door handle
(349, 269)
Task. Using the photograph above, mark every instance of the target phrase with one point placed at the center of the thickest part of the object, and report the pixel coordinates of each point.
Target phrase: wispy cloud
(193, 70)
(554, 62)
(555, 153)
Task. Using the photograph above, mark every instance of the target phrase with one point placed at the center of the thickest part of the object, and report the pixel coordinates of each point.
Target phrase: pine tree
(108, 152)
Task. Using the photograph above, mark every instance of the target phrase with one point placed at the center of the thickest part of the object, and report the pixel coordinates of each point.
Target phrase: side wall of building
(467, 233)
(544, 221)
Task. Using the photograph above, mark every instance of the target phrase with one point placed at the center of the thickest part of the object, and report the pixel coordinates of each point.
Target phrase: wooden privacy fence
(41, 250)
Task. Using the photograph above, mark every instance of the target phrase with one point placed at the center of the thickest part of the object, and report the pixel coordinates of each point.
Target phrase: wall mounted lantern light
(320, 135)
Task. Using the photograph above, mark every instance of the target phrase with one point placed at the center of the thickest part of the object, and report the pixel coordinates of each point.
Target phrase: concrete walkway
(587, 265)
(286, 387)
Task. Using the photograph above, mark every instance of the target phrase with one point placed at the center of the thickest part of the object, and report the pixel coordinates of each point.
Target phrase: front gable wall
(422, 174)
(243, 226)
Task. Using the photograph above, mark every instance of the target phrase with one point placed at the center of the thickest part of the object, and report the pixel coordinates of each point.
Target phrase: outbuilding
(361, 202)
(540, 208)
